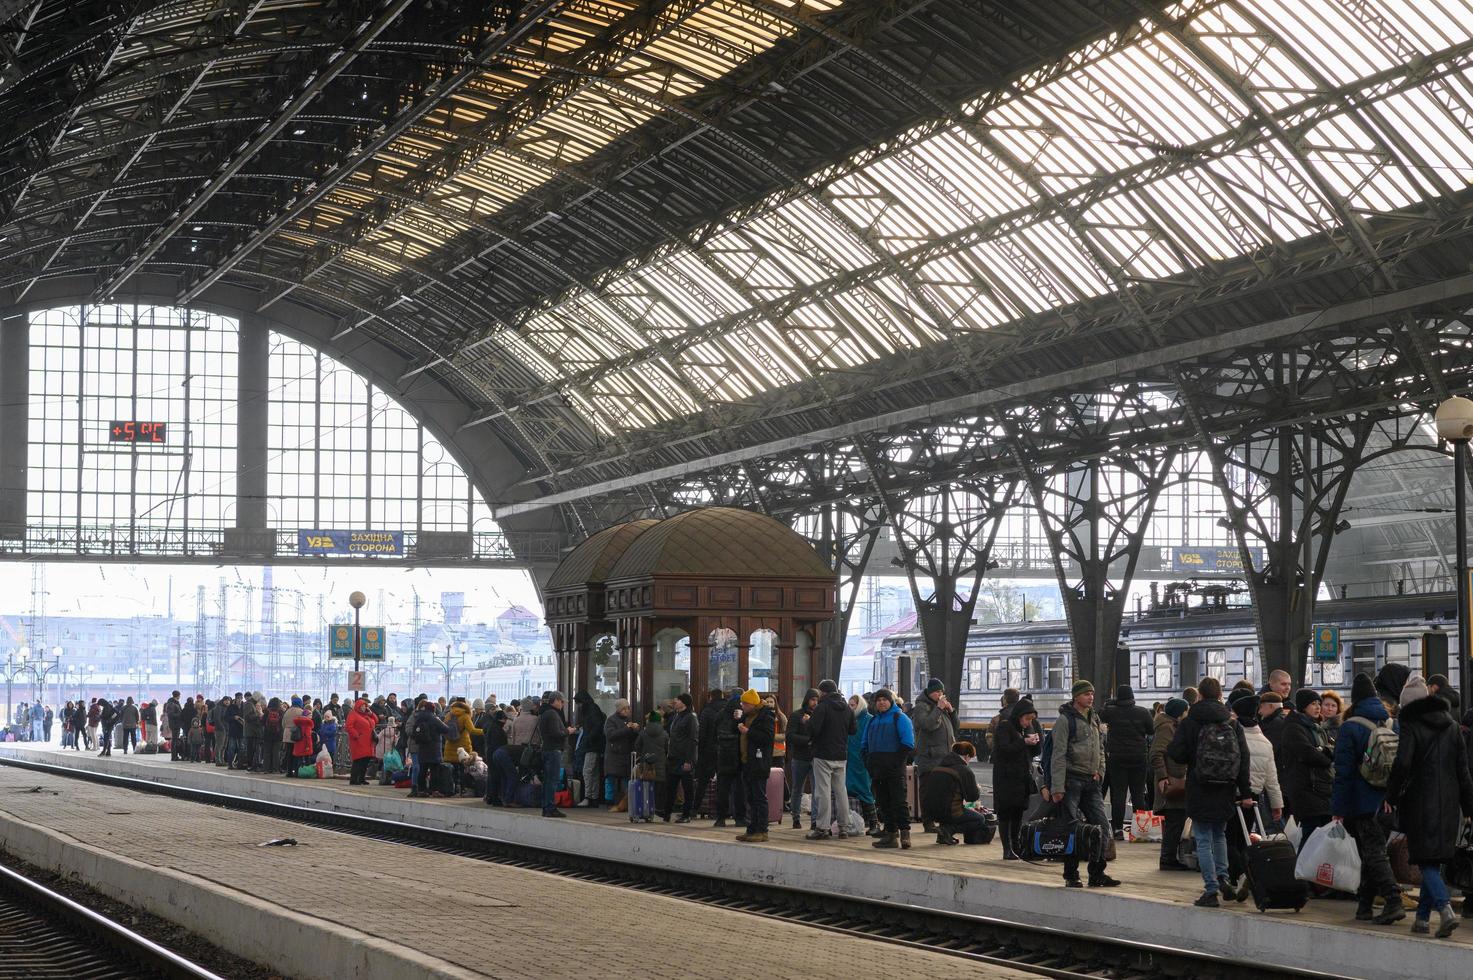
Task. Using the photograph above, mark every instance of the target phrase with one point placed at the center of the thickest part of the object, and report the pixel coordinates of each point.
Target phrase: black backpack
(1218, 757)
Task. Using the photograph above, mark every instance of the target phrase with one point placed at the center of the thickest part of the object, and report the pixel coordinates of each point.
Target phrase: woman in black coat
(1307, 775)
(1014, 746)
(1432, 790)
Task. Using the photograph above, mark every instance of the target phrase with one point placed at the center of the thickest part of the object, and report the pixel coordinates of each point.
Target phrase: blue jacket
(889, 732)
(856, 776)
(1352, 795)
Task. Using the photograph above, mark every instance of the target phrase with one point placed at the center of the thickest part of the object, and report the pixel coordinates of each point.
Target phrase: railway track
(44, 934)
(1046, 952)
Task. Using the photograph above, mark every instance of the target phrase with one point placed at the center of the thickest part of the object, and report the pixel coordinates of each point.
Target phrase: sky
(77, 589)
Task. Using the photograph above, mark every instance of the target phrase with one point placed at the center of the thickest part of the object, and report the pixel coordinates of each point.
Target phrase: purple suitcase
(641, 795)
(775, 797)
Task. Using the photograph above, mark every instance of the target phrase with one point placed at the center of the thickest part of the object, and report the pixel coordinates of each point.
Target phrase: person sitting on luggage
(758, 731)
(1076, 775)
(946, 790)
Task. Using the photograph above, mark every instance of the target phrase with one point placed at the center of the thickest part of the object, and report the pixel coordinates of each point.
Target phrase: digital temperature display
(134, 431)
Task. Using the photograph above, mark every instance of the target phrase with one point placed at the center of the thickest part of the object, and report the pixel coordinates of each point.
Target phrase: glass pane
(1163, 671)
(722, 666)
(761, 672)
(607, 665)
(1398, 652)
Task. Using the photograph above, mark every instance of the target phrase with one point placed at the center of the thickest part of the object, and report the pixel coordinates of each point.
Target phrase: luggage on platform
(642, 794)
(444, 781)
(913, 793)
(307, 772)
(775, 797)
(1271, 869)
(707, 806)
(528, 795)
(1054, 836)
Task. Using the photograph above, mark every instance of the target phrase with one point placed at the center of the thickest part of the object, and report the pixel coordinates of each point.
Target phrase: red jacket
(303, 745)
(360, 731)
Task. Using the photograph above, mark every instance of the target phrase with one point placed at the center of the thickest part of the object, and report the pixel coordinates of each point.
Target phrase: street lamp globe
(357, 600)
(1455, 419)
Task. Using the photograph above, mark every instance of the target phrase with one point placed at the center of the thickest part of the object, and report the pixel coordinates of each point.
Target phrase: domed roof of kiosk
(721, 542)
(592, 560)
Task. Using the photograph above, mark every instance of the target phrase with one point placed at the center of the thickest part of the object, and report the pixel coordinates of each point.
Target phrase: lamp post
(15, 662)
(357, 600)
(1455, 424)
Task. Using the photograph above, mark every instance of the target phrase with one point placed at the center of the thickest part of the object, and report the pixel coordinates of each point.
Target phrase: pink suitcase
(775, 797)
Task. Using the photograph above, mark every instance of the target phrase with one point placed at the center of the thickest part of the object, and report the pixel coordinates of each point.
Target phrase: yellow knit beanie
(751, 697)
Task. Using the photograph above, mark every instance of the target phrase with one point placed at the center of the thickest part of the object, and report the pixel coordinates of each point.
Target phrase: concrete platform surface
(1151, 906)
(416, 912)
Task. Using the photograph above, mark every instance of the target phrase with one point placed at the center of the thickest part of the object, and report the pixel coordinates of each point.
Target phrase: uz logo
(319, 542)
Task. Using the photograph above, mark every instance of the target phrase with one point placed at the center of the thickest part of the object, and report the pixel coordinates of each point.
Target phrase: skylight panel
(1268, 186)
(1327, 35)
(1124, 233)
(1434, 134)
(1009, 272)
(992, 186)
(807, 235)
(1265, 68)
(526, 354)
(1355, 168)
(717, 289)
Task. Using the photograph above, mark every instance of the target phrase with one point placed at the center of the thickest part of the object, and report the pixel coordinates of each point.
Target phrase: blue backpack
(1046, 752)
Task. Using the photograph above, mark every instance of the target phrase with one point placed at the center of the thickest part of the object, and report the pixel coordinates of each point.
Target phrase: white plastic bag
(1330, 859)
(1292, 832)
(323, 764)
(854, 825)
(1146, 826)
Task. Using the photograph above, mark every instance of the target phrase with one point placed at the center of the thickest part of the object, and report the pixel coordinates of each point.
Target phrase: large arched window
(133, 438)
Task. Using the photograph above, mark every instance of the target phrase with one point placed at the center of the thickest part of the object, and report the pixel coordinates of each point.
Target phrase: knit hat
(296, 702)
(827, 686)
(885, 693)
(653, 718)
(811, 693)
(685, 699)
(1176, 707)
(1390, 681)
(751, 697)
(1304, 697)
(1124, 693)
(1022, 708)
(552, 696)
(1361, 688)
(735, 693)
(1080, 687)
(1237, 694)
(934, 685)
(1415, 689)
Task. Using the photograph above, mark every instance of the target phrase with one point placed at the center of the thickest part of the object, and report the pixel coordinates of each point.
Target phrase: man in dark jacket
(1206, 742)
(945, 790)
(1306, 764)
(427, 734)
(709, 721)
(591, 720)
(107, 719)
(554, 735)
(1127, 748)
(800, 763)
(1438, 685)
(731, 799)
(1357, 804)
(681, 756)
(757, 731)
(172, 710)
(829, 728)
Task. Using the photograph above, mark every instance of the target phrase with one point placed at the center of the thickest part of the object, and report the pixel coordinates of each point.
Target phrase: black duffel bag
(1056, 836)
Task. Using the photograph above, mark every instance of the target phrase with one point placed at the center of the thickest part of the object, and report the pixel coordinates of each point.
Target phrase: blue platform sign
(1327, 643)
(340, 641)
(1212, 561)
(374, 641)
(318, 542)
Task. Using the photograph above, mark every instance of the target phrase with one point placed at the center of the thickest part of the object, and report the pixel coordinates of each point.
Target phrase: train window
(1147, 668)
(1250, 665)
(1163, 672)
(1017, 676)
(1036, 673)
(994, 674)
(1056, 674)
(1190, 666)
(1363, 659)
(1332, 674)
(1217, 664)
(1399, 652)
(974, 673)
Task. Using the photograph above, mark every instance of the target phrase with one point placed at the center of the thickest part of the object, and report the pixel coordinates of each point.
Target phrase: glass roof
(1217, 131)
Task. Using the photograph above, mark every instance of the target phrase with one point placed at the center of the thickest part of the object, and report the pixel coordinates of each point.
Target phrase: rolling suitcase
(641, 793)
(1271, 869)
(913, 793)
(775, 797)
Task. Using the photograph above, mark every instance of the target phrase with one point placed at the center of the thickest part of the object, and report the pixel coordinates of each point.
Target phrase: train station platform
(336, 906)
(1151, 907)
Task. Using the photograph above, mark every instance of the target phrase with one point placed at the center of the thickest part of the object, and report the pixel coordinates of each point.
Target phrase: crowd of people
(1394, 766)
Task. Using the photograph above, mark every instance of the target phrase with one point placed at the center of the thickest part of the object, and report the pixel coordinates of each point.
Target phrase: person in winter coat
(1210, 743)
(172, 709)
(1307, 773)
(945, 792)
(108, 718)
(1432, 790)
(887, 741)
(709, 720)
(731, 797)
(856, 774)
(758, 732)
(800, 763)
(652, 747)
(1358, 804)
(1075, 776)
(620, 731)
(1332, 710)
(128, 722)
(501, 780)
(463, 730)
(360, 725)
(79, 728)
(1014, 745)
(829, 728)
(681, 756)
(934, 720)
(1438, 684)
(148, 715)
(553, 734)
(290, 732)
(1127, 749)
(1170, 796)
(251, 726)
(327, 732)
(1263, 783)
(429, 730)
(591, 720)
(524, 728)
(302, 744)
